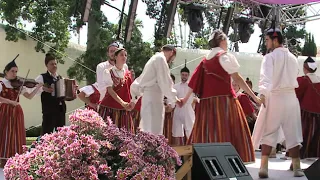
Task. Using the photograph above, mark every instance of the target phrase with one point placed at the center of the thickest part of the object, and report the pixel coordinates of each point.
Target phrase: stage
(278, 168)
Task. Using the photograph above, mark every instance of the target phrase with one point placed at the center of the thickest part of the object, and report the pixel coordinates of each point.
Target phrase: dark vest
(51, 104)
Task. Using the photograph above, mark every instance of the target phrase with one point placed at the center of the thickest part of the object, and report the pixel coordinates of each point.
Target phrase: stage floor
(278, 168)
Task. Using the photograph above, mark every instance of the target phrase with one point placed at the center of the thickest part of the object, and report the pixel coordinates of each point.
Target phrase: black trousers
(53, 120)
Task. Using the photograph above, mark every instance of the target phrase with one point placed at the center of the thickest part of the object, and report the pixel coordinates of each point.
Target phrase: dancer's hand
(131, 106)
(14, 103)
(263, 100)
(168, 108)
(93, 105)
(183, 101)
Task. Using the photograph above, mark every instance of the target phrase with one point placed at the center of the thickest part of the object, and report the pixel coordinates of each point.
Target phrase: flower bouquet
(91, 148)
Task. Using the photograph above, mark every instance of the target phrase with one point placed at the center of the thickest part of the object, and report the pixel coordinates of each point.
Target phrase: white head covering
(312, 65)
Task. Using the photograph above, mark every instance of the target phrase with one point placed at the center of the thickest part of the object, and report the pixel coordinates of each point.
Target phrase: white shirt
(7, 83)
(279, 71)
(107, 79)
(156, 72)
(182, 90)
(88, 90)
(228, 61)
(39, 79)
(99, 71)
(313, 77)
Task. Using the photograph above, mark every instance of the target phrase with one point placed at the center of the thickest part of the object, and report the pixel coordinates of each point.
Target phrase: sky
(148, 30)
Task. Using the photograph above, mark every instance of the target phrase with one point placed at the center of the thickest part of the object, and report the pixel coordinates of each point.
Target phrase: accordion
(66, 89)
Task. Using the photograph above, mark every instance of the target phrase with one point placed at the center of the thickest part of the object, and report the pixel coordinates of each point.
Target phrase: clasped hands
(128, 106)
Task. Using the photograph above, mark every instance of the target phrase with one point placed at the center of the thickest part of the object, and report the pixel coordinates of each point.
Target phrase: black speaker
(221, 161)
(312, 173)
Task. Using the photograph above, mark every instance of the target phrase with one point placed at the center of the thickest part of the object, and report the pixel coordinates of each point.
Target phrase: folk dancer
(135, 113)
(246, 105)
(219, 116)
(53, 107)
(167, 129)
(183, 117)
(308, 94)
(154, 83)
(115, 104)
(90, 95)
(12, 131)
(281, 110)
(101, 67)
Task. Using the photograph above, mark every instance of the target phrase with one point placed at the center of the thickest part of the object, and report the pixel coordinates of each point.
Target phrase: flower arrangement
(91, 148)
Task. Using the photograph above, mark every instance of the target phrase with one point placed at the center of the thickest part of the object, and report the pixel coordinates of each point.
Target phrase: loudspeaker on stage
(212, 161)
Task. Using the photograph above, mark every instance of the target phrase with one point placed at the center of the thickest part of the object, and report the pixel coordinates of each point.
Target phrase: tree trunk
(93, 40)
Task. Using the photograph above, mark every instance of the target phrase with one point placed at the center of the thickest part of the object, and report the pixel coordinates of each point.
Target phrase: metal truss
(286, 14)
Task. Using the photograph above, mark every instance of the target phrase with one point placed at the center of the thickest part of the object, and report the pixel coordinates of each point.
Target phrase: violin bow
(24, 80)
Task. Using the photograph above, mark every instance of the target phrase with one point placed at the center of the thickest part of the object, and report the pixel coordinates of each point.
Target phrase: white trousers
(281, 117)
(152, 111)
(183, 120)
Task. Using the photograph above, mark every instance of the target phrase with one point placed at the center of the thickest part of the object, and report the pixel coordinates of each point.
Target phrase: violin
(19, 81)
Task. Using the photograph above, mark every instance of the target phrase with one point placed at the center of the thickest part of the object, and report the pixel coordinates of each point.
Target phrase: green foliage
(310, 47)
(55, 19)
(52, 21)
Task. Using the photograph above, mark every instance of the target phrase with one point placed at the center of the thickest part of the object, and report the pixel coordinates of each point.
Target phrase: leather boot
(263, 172)
(297, 171)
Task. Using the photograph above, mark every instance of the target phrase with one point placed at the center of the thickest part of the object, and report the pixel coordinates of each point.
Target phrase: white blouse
(106, 77)
(228, 61)
(8, 85)
(89, 90)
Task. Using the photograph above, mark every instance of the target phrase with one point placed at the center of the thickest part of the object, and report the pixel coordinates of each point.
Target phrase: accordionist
(53, 107)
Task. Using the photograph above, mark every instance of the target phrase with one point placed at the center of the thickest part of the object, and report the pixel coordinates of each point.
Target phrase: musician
(53, 108)
(12, 130)
(90, 95)
(107, 65)
(117, 81)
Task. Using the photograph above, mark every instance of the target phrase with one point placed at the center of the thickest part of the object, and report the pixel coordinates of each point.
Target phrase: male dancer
(53, 108)
(183, 117)
(106, 65)
(281, 110)
(155, 83)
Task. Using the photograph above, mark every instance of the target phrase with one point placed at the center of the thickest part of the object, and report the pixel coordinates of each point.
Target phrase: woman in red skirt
(12, 130)
(135, 113)
(308, 94)
(219, 116)
(90, 95)
(117, 81)
(246, 105)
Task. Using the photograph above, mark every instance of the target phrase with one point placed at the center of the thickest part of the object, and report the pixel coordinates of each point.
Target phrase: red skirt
(311, 135)
(221, 119)
(121, 118)
(136, 118)
(167, 127)
(12, 131)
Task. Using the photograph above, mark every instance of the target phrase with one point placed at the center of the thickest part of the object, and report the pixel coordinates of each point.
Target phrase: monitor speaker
(212, 161)
(312, 173)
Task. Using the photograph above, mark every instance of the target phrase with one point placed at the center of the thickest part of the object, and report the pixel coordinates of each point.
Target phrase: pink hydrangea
(91, 148)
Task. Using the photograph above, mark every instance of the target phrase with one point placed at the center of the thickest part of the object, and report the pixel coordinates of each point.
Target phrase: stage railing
(184, 172)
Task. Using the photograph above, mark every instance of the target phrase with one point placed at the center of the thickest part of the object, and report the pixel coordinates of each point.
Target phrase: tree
(55, 19)
(310, 47)
(158, 10)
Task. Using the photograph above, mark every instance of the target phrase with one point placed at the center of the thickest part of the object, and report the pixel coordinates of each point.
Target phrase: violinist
(53, 108)
(12, 130)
